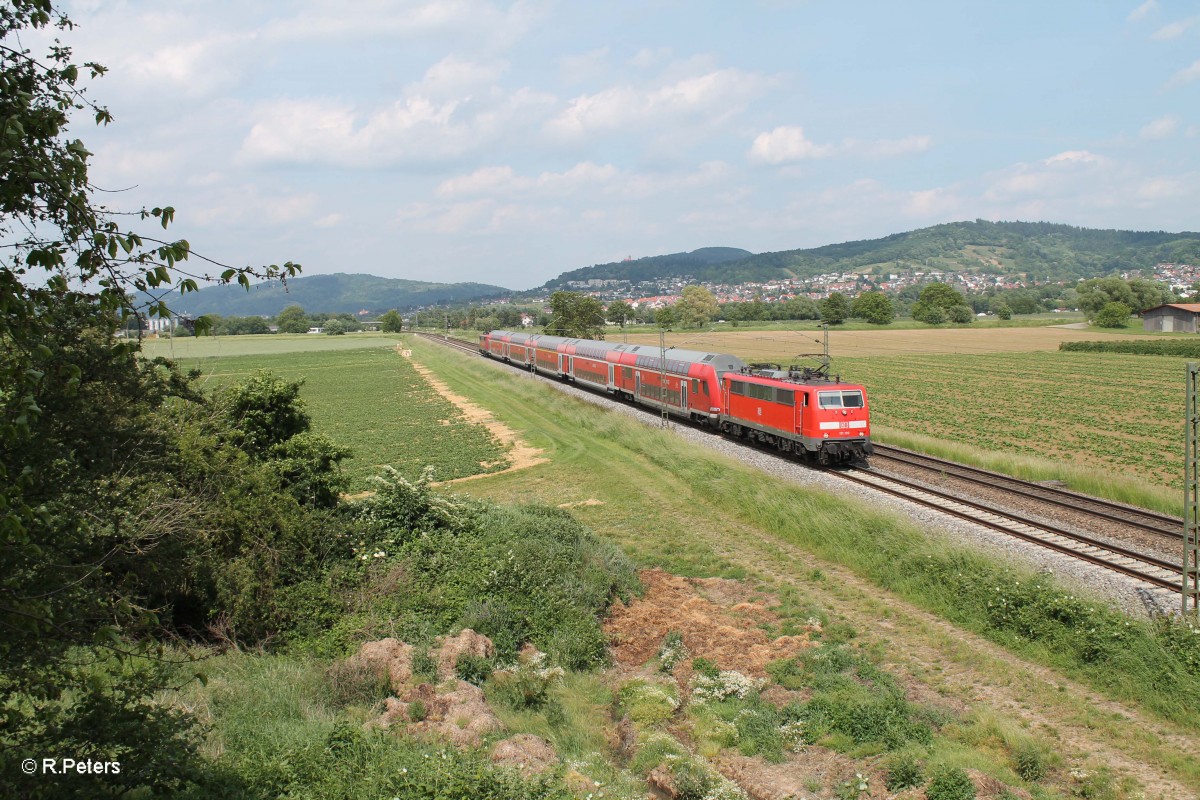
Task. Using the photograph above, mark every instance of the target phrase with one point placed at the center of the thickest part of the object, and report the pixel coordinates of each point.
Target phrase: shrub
(354, 683)
(473, 669)
(1030, 763)
(648, 704)
(903, 772)
(950, 783)
(672, 651)
(526, 687)
(1184, 348)
(424, 665)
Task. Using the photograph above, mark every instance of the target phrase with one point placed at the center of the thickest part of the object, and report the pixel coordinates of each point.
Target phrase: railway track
(1149, 521)
(1144, 567)
(1157, 572)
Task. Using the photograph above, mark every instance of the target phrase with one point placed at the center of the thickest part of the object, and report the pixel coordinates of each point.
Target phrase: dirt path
(519, 453)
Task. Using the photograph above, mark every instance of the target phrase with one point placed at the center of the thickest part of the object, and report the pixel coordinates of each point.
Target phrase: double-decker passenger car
(795, 410)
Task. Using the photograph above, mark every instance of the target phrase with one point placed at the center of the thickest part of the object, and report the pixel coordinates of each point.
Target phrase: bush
(473, 669)
(354, 683)
(514, 574)
(903, 772)
(648, 704)
(1113, 315)
(1030, 763)
(950, 783)
(1184, 348)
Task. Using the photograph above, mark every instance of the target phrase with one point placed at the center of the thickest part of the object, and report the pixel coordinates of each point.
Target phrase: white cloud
(1142, 11)
(650, 56)
(1186, 75)
(937, 203)
(504, 181)
(890, 148)
(453, 77)
(584, 66)
(1073, 157)
(1173, 30)
(414, 130)
(785, 145)
(482, 22)
(1160, 128)
(789, 145)
(714, 95)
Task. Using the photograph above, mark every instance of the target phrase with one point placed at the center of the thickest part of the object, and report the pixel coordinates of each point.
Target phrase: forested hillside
(1037, 249)
(331, 293)
(704, 260)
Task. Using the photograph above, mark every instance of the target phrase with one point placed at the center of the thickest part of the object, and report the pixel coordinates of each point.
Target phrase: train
(795, 409)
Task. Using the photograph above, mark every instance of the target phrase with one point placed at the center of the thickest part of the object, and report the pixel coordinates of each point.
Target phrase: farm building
(1179, 317)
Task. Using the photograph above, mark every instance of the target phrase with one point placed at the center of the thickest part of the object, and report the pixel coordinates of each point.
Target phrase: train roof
(811, 383)
(677, 358)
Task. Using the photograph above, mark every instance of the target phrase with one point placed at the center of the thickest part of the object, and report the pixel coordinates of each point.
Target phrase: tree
(293, 320)
(963, 315)
(874, 307)
(1001, 310)
(835, 309)
(1113, 315)
(619, 312)
(94, 507)
(576, 315)
(1136, 294)
(665, 317)
(335, 327)
(391, 321)
(937, 296)
(696, 307)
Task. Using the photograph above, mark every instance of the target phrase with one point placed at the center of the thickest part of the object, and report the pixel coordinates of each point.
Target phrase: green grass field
(361, 394)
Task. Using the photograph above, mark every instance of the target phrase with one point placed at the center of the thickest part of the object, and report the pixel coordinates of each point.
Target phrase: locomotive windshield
(847, 398)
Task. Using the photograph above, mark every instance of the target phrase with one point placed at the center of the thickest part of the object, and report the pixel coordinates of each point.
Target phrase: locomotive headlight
(844, 412)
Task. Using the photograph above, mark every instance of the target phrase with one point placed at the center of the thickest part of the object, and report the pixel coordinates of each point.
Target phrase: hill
(1036, 249)
(641, 269)
(330, 293)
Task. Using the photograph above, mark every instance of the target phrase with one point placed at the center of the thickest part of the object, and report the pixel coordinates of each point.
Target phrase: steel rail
(1159, 524)
(979, 512)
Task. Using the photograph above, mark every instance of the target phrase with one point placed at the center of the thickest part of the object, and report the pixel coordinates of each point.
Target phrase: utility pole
(1189, 584)
(662, 376)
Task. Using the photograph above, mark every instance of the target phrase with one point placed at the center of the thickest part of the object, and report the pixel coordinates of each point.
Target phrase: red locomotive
(796, 410)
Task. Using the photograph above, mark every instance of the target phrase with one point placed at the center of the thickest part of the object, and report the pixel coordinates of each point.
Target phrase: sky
(507, 142)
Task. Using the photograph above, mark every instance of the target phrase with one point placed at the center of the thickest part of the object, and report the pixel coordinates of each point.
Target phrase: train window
(695, 386)
(737, 387)
(785, 396)
(805, 404)
(627, 373)
(848, 399)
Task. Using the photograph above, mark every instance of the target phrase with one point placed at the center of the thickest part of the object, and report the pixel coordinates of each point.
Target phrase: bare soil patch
(729, 636)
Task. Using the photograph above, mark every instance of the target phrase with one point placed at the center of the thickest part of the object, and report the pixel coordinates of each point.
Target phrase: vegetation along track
(1158, 572)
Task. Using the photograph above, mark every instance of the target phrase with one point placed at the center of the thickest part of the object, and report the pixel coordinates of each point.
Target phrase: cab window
(851, 398)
